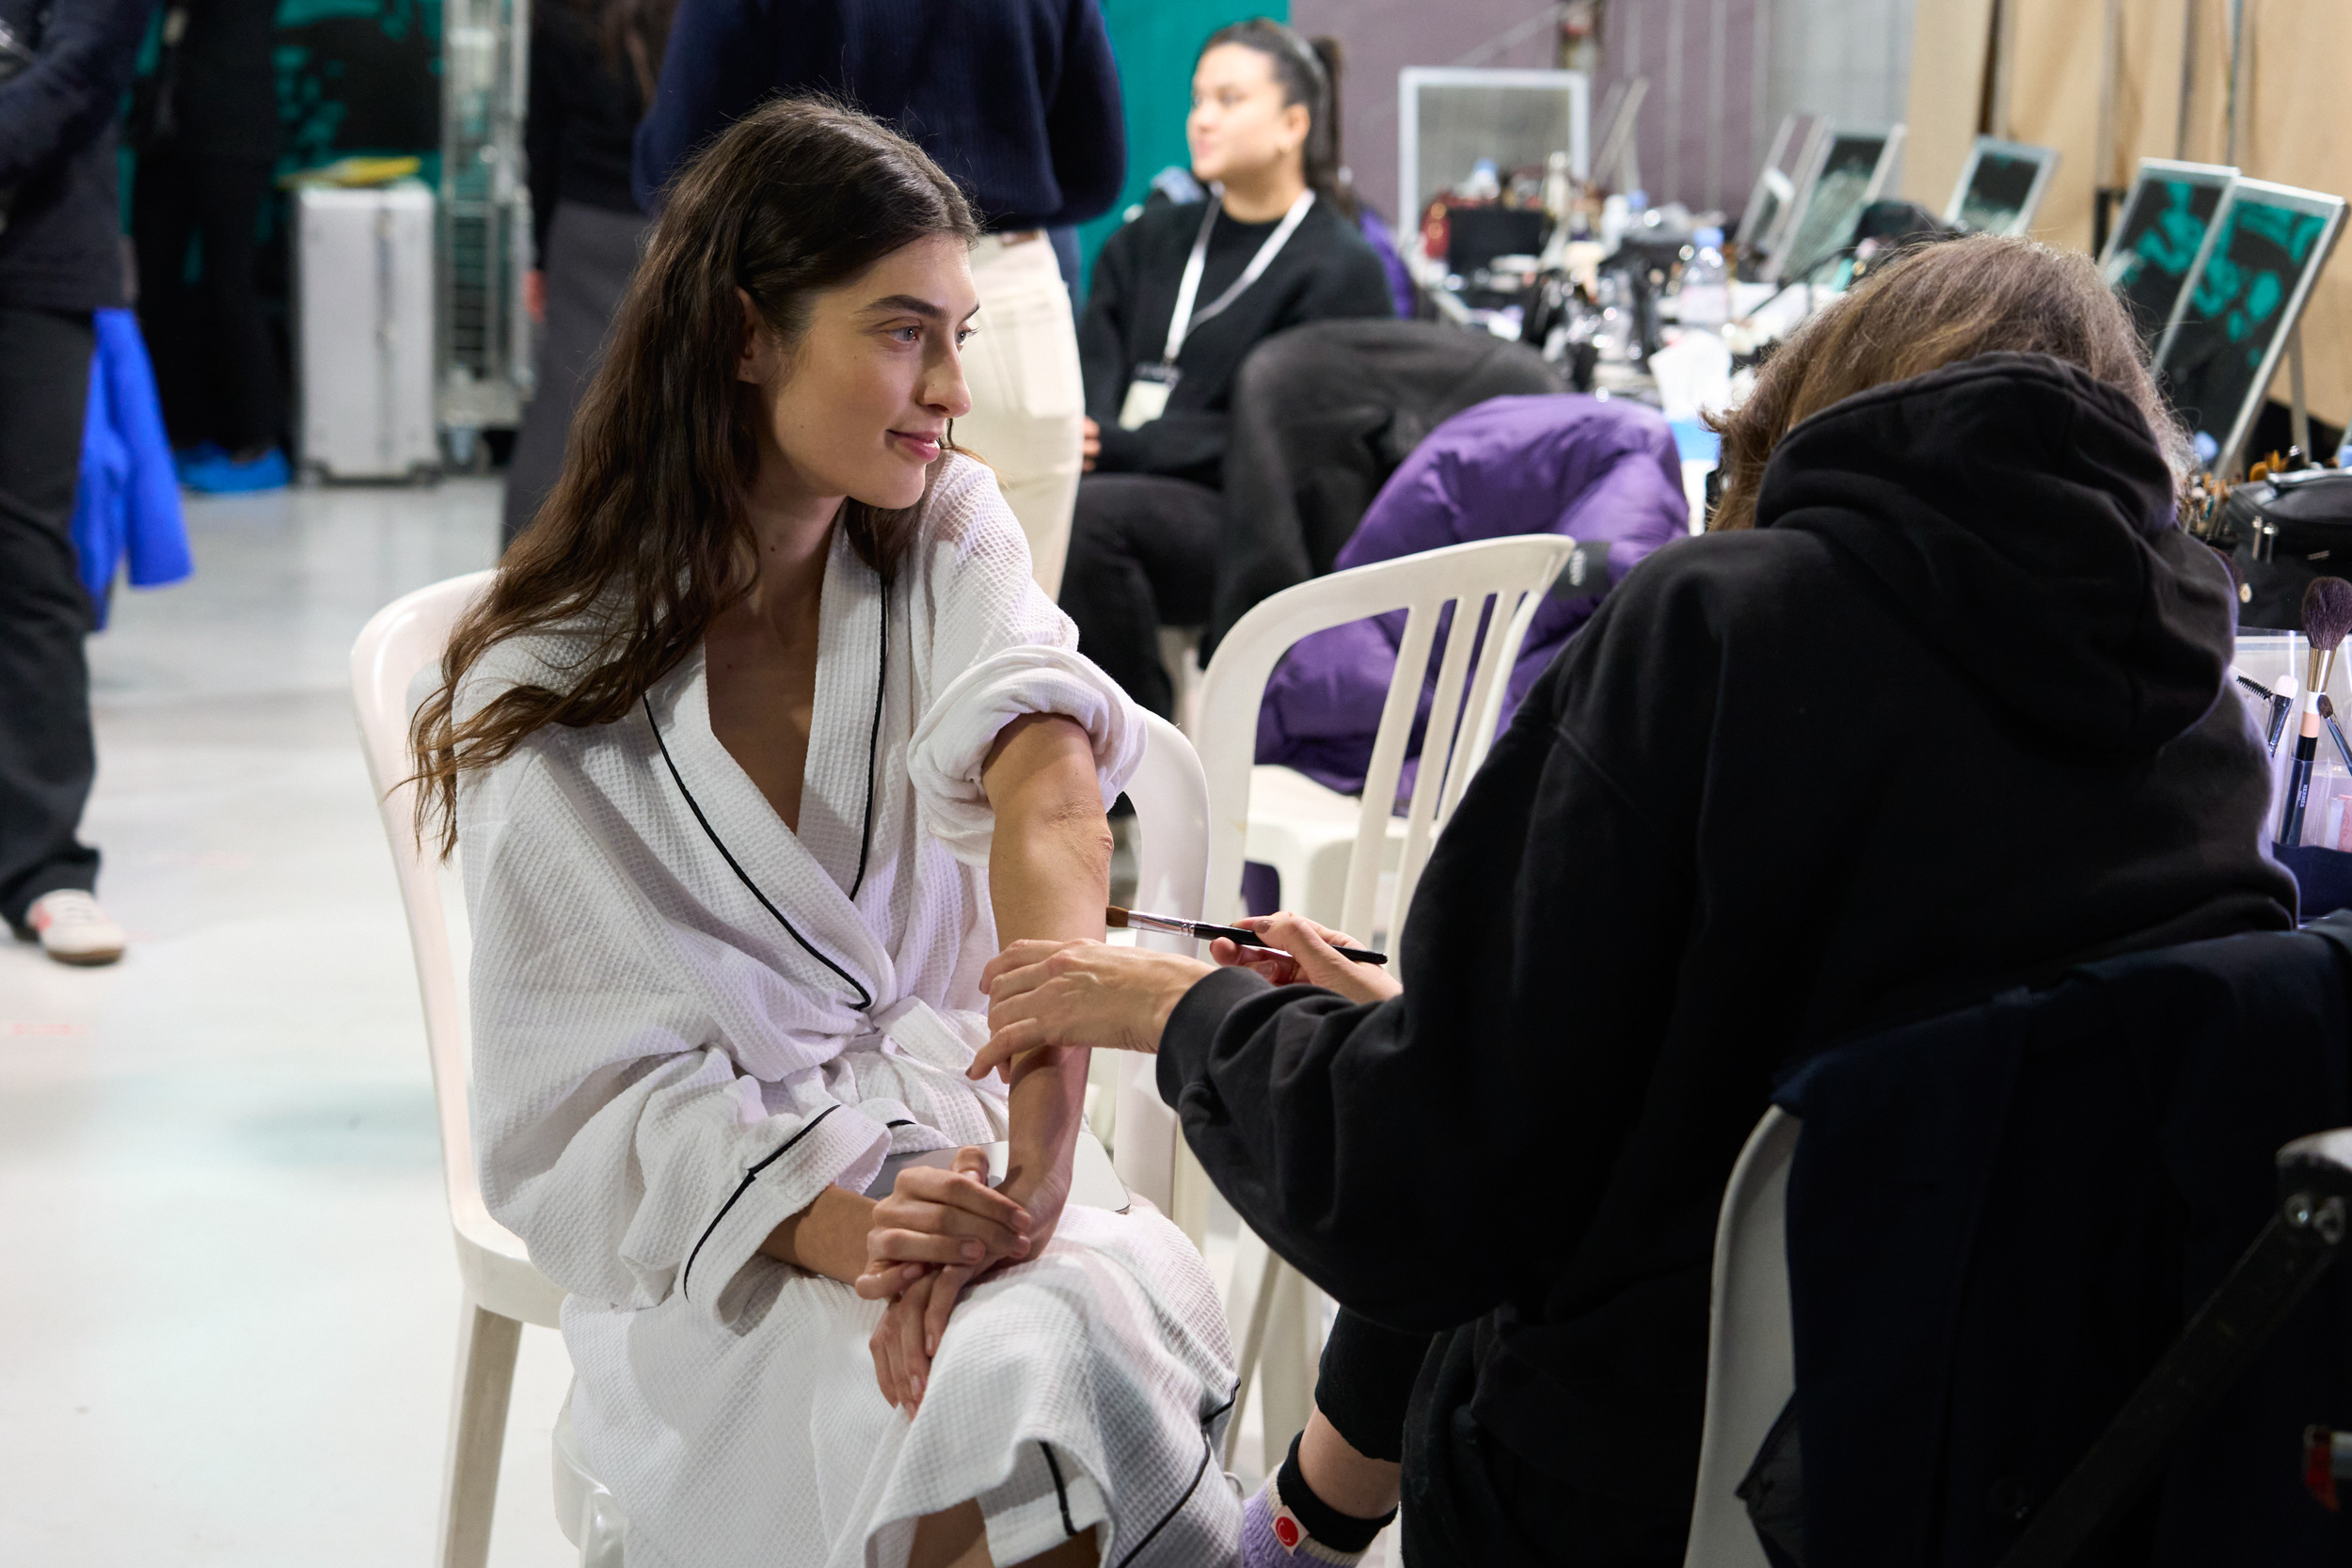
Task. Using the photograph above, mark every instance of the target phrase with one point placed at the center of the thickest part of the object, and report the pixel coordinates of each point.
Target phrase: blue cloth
(1999, 1219)
(1018, 100)
(128, 508)
(1603, 473)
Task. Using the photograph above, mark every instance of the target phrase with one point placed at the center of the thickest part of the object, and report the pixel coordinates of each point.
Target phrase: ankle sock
(1342, 1533)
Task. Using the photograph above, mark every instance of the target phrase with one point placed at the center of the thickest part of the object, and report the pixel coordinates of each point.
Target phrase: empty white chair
(1751, 1351)
(1332, 850)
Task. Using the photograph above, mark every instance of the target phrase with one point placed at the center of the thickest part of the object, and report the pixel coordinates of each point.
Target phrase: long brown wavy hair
(1942, 303)
(644, 539)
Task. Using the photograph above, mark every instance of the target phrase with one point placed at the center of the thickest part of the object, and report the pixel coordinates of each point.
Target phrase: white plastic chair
(503, 1290)
(1330, 850)
(1751, 1352)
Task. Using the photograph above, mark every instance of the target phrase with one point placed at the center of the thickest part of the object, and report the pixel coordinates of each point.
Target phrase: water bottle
(1706, 297)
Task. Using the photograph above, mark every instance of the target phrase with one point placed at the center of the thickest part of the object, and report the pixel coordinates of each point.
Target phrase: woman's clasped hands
(935, 1233)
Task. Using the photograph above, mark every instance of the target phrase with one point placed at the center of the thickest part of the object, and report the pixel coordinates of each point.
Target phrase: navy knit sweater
(63, 248)
(1018, 100)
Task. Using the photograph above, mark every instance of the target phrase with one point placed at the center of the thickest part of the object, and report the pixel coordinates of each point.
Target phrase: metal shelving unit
(485, 360)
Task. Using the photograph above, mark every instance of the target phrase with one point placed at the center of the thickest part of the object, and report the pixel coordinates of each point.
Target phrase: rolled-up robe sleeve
(999, 649)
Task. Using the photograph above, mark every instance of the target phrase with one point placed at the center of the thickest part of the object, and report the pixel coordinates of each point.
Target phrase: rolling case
(363, 321)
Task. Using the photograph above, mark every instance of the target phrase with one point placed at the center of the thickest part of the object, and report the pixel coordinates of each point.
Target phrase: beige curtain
(2293, 127)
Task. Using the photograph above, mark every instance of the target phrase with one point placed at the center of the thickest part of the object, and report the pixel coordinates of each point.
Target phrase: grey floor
(227, 1299)
(227, 1305)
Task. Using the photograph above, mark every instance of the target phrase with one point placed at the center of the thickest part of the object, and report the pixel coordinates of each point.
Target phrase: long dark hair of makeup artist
(644, 535)
(1308, 71)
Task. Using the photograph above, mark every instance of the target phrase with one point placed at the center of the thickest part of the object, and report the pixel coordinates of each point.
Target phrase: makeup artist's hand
(1088, 993)
(1308, 956)
(1093, 451)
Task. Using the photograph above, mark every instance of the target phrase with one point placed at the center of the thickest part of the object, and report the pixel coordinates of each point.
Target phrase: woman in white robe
(732, 748)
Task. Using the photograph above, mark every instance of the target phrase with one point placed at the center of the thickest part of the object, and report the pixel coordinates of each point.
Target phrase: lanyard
(1184, 320)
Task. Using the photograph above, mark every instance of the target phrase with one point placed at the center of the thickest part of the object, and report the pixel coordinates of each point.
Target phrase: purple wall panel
(1382, 37)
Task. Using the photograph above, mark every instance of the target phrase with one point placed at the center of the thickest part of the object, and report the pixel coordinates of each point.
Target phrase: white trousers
(1028, 401)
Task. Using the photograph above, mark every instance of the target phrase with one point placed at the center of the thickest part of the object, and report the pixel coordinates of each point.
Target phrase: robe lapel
(776, 861)
(835, 781)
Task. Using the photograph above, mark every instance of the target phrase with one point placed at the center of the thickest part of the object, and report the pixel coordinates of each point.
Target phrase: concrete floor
(230, 1301)
(228, 1317)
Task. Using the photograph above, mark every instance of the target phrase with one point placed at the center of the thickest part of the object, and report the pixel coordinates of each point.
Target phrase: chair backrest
(1513, 573)
(1170, 795)
(404, 638)
(1751, 1352)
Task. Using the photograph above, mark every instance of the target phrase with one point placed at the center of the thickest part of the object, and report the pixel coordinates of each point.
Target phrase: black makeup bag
(2279, 534)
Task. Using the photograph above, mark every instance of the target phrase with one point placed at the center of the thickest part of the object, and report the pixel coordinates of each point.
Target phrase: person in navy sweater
(1019, 101)
(63, 70)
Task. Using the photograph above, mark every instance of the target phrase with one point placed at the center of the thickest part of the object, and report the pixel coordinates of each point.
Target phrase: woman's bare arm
(1048, 877)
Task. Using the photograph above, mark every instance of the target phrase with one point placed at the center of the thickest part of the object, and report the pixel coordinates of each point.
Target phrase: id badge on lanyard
(1146, 393)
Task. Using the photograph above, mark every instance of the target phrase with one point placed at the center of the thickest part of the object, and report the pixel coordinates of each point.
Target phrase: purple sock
(1272, 1536)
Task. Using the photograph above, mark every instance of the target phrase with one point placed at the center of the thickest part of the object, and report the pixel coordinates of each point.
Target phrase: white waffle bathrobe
(663, 1073)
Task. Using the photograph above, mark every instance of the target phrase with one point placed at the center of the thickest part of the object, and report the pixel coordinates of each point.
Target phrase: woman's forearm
(1048, 876)
(828, 1237)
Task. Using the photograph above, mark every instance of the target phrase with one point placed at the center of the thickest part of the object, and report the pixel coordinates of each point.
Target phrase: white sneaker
(73, 929)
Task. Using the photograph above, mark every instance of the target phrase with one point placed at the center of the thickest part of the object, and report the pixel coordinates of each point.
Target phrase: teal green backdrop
(1156, 42)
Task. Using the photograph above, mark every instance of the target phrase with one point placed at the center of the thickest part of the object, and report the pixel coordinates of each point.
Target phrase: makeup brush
(2328, 712)
(2326, 621)
(1135, 920)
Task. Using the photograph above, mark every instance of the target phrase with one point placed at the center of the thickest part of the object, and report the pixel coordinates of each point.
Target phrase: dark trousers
(215, 368)
(1142, 555)
(591, 255)
(47, 759)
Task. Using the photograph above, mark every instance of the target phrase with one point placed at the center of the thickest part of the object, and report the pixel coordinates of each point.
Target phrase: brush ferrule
(2322, 663)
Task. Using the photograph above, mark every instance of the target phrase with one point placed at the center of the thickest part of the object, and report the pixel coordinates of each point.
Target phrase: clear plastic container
(1705, 300)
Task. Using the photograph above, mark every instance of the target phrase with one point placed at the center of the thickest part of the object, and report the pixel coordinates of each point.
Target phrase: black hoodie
(1946, 720)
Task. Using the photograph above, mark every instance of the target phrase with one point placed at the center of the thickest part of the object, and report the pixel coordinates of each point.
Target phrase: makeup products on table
(2328, 714)
(1135, 920)
(2326, 621)
(2277, 705)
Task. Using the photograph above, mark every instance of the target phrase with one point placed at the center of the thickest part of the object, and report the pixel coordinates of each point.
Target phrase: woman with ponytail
(759, 746)
(1276, 246)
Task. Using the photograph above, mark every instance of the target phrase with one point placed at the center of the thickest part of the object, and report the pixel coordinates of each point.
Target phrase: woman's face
(1239, 126)
(859, 407)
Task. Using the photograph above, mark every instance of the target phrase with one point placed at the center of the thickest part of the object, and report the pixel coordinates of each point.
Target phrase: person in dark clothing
(593, 64)
(1278, 247)
(60, 261)
(1939, 710)
(206, 144)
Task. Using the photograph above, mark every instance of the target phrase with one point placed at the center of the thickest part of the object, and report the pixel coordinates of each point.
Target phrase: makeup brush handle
(2299, 790)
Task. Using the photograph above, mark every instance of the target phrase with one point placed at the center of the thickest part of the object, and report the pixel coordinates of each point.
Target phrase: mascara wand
(2326, 621)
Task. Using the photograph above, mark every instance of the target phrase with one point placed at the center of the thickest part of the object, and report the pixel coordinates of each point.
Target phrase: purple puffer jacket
(1602, 473)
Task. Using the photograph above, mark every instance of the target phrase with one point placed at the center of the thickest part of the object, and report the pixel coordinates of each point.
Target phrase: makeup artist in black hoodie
(1937, 709)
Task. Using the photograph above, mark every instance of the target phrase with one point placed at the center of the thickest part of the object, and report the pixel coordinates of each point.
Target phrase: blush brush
(2326, 622)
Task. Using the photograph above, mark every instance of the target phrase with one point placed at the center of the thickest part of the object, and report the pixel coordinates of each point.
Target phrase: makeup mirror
(2001, 186)
(2238, 312)
(2168, 217)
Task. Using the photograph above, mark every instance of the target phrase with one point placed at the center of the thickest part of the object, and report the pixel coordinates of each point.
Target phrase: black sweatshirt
(62, 249)
(1325, 270)
(1018, 100)
(583, 113)
(1951, 719)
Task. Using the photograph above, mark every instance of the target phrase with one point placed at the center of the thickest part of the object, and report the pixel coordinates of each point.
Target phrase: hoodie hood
(2020, 515)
